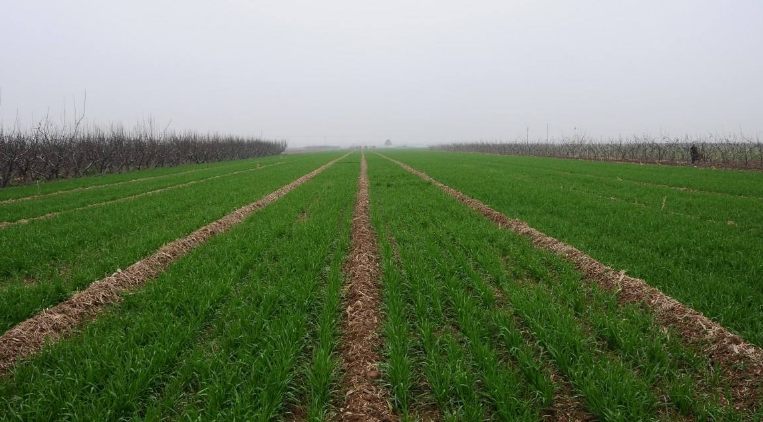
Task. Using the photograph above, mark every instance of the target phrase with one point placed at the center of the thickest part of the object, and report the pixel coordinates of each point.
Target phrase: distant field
(328, 286)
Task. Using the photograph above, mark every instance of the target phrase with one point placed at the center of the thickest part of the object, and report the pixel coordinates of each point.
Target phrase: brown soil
(297, 414)
(5, 224)
(30, 336)
(364, 398)
(566, 406)
(740, 362)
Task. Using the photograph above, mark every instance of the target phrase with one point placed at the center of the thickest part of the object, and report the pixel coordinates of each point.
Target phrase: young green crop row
(44, 261)
(712, 266)
(35, 207)
(97, 182)
(477, 325)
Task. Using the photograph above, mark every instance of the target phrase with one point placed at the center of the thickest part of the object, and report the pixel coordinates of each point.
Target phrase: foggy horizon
(343, 73)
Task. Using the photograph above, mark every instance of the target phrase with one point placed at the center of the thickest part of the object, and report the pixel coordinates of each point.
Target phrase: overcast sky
(413, 71)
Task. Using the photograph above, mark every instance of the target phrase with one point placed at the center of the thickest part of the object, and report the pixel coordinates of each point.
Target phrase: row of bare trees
(735, 151)
(50, 152)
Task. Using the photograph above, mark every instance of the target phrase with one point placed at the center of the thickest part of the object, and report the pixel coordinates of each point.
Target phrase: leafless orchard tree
(732, 151)
(49, 151)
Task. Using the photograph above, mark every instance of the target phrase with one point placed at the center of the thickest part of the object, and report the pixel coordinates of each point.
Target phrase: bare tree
(50, 152)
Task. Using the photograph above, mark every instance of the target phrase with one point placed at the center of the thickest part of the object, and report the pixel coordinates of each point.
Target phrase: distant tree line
(49, 152)
(728, 151)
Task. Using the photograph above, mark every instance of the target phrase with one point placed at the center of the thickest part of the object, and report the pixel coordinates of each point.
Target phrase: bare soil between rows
(741, 363)
(28, 337)
(364, 398)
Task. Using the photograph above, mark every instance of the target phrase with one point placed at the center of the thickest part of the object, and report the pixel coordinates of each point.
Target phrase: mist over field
(344, 73)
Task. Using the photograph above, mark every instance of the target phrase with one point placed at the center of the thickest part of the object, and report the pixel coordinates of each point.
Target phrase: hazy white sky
(412, 71)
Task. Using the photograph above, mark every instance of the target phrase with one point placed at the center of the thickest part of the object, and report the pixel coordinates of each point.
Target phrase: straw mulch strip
(364, 398)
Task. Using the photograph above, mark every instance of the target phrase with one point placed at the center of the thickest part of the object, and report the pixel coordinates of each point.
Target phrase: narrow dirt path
(28, 337)
(364, 399)
(741, 362)
(105, 185)
(5, 224)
